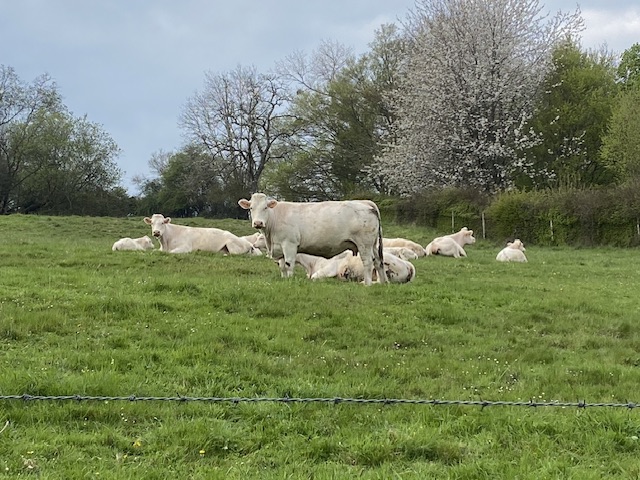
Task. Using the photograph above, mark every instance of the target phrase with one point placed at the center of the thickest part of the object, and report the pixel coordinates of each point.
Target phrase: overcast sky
(131, 65)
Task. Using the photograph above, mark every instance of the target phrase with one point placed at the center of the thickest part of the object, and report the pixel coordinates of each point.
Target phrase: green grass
(77, 318)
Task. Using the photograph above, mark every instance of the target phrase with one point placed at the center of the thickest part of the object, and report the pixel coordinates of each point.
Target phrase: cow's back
(324, 228)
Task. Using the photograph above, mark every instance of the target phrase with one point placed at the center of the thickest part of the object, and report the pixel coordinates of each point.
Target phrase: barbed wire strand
(328, 400)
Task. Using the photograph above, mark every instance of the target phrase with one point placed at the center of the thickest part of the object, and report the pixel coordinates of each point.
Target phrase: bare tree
(473, 72)
(158, 163)
(239, 118)
(314, 72)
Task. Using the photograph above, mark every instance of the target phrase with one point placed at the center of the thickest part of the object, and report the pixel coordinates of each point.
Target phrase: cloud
(618, 29)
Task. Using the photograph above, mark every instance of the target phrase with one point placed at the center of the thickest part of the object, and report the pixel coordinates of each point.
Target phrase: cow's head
(147, 243)
(258, 207)
(517, 244)
(158, 224)
(468, 238)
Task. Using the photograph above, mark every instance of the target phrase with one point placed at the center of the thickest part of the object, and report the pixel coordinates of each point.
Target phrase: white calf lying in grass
(513, 252)
(397, 269)
(142, 243)
(257, 240)
(319, 267)
(348, 267)
(446, 247)
(402, 252)
(404, 243)
(451, 245)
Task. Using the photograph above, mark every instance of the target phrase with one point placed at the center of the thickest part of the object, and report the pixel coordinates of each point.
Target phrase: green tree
(341, 118)
(23, 108)
(629, 67)
(77, 170)
(189, 184)
(621, 144)
(571, 119)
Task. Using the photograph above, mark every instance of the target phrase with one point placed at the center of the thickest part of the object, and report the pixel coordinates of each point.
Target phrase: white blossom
(469, 87)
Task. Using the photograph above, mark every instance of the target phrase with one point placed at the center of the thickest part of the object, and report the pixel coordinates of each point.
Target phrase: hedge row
(561, 217)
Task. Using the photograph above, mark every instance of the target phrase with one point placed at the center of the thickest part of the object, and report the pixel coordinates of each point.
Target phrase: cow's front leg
(180, 249)
(288, 262)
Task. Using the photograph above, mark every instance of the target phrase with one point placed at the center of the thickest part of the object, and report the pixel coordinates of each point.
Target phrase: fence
(327, 400)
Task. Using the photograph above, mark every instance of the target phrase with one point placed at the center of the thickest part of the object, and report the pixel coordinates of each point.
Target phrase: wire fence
(326, 400)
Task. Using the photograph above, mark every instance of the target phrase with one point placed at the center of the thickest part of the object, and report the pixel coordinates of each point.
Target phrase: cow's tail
(380, 267)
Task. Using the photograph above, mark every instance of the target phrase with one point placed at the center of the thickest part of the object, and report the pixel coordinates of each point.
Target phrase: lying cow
(127, 243)
(319, 267)
(324, 229)
(446, 245)
(183, 239)
(404, 243)
(396, 269)
(402, 252)
(513, 252)
(257, 240)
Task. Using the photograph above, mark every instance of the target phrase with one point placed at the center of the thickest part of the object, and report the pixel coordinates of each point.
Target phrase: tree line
(487, 97)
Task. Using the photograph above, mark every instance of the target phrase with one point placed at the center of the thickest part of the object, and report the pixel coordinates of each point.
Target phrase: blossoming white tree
(470, 84)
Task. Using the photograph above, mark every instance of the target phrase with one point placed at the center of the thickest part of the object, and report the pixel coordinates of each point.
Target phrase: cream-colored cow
(127, 243)
(397, 270)
(318, 228)
(183, 239)
(402, 252)
(404, 243)
(513, 252)
(257, 240)
(451, 245)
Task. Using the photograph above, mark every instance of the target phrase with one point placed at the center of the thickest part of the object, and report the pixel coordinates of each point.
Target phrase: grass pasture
(77, 318)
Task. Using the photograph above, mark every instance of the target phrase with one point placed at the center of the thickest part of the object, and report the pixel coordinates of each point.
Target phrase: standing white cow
(446, 245)
(127, 243)
(513, 252)
(184, 239)
(319, 228)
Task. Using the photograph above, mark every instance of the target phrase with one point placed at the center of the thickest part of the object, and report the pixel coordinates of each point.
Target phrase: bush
(552, 217)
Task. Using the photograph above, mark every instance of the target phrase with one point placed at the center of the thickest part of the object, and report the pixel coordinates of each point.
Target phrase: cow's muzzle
(259, 224)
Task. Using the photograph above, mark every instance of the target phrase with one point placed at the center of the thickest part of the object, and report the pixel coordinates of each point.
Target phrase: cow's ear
(147, 220)
(272, 203)
(509, 244)
(244, 203)
(167, 220)
(469, 232)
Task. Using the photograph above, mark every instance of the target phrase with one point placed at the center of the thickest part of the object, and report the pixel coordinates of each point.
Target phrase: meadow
(77, 318)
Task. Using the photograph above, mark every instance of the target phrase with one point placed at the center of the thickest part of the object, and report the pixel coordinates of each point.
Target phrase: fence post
(551, 227)
(484, 235)
(453, 223)
(638, 226)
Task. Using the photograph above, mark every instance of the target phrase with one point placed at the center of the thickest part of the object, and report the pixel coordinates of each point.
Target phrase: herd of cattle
(341, 239)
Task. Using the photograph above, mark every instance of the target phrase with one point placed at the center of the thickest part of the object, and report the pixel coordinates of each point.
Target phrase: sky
(131, 65)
